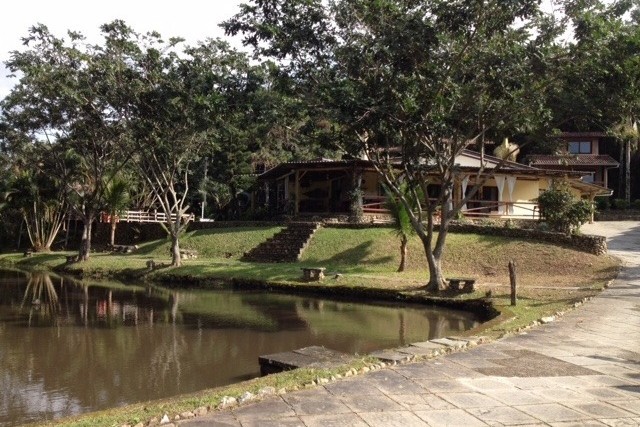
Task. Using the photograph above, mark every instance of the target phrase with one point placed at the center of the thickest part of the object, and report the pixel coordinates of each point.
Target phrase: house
(580, 152)
(327, 187)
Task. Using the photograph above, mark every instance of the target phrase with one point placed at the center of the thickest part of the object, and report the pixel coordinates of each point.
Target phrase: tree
(43, 209)
(38, 196)
(117, 200)
(70, 95)
(178, 110)
(401, 221)
(414, 83)
(626, 132)
(600, 89)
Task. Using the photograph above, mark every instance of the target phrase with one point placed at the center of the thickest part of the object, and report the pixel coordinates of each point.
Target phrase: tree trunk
(85, 243)
(403, 252)
(434, 255)
(112, 237)
(621, 172)
(355, 205)
(437, 282)
(176, 260)
(627, 173)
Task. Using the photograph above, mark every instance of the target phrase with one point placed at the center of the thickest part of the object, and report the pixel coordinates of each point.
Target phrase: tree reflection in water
(75, 347)
(40, 296)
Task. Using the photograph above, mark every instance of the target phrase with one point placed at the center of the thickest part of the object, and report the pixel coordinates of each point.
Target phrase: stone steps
(285, 246)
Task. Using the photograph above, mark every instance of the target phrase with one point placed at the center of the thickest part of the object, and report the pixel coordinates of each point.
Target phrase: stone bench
(461, 284)
(312, 274)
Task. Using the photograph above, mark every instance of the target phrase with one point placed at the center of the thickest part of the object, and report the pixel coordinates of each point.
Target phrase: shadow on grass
(151, 247)
(353, 256)
(42, 257)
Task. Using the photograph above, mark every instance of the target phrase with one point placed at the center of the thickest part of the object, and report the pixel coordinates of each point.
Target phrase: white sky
(193, 20)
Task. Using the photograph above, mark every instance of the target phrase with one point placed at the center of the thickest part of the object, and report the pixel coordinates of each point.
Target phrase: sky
(193, 20)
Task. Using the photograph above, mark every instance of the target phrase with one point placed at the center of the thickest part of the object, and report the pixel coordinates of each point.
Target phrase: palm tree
(507, 150)
(117, 200)
(626, 132)
(401, 221)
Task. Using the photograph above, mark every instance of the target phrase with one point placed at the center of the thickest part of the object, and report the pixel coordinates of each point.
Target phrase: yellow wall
(370, 182)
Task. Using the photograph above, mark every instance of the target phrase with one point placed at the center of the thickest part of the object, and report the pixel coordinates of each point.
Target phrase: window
(588, 178)
(580, 147)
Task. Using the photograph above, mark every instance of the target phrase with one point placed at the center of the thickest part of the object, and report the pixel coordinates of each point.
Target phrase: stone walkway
(582, 370)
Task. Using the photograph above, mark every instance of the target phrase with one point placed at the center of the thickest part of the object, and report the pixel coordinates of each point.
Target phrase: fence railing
(143, 216)
(474, 208)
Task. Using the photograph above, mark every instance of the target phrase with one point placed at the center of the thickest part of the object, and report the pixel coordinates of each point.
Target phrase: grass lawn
(548, 276)
(550, 279)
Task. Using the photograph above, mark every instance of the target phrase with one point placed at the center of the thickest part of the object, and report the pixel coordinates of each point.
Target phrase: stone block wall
(596, 245)
(628, 215)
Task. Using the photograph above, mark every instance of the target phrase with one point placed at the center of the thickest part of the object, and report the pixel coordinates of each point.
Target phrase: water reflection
(68, 347)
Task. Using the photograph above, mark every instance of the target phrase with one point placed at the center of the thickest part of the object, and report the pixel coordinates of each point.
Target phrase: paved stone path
(582, 370)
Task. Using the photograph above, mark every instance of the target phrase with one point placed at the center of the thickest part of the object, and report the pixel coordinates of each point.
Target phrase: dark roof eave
(285, 168)
(532, 171)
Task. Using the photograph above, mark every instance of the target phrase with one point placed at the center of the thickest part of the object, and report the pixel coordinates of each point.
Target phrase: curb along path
(582, 370)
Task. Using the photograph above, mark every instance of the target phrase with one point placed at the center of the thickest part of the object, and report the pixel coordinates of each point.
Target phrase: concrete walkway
(582, 370)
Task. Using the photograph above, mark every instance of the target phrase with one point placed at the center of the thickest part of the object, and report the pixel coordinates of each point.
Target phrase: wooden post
(512, 277)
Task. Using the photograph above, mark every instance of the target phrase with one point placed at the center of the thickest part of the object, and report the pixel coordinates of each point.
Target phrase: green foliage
(636, 204)
(620, 204)
(401, 218)
(602, 204)
(425, 77)
(561, 210)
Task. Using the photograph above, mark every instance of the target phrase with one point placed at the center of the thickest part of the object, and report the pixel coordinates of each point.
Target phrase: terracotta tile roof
(541, 160)
(583, 134)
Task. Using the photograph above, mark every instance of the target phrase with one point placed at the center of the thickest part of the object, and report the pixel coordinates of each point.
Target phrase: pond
(68, 347)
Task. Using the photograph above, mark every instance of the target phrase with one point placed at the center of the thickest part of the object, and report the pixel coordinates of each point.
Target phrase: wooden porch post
(592, 199)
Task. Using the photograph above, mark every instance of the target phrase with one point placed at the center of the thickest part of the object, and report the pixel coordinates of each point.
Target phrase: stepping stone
(391, 356)
(415, 350)
(473, 340)
(450, 343)
(429, 345)
(308, 357)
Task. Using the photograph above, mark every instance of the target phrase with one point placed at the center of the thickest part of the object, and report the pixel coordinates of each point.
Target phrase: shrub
(620, 204)
(602, 204)
(561, 210)
(636, 204)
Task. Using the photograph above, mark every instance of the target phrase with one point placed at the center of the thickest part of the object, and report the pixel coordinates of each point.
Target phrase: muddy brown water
(68, 347)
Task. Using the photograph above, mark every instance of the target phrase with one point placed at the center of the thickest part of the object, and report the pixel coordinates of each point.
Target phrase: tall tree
(628, 136)
(600, 88)
(179, 110)
(39, 196)
(413, 83)
(70, 95)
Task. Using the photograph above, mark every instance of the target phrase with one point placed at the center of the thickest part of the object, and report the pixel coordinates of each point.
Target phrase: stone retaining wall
(596, 245)
(628, 215)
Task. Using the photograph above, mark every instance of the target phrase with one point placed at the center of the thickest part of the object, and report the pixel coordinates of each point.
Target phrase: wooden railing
(474, 208)
(143, 216)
